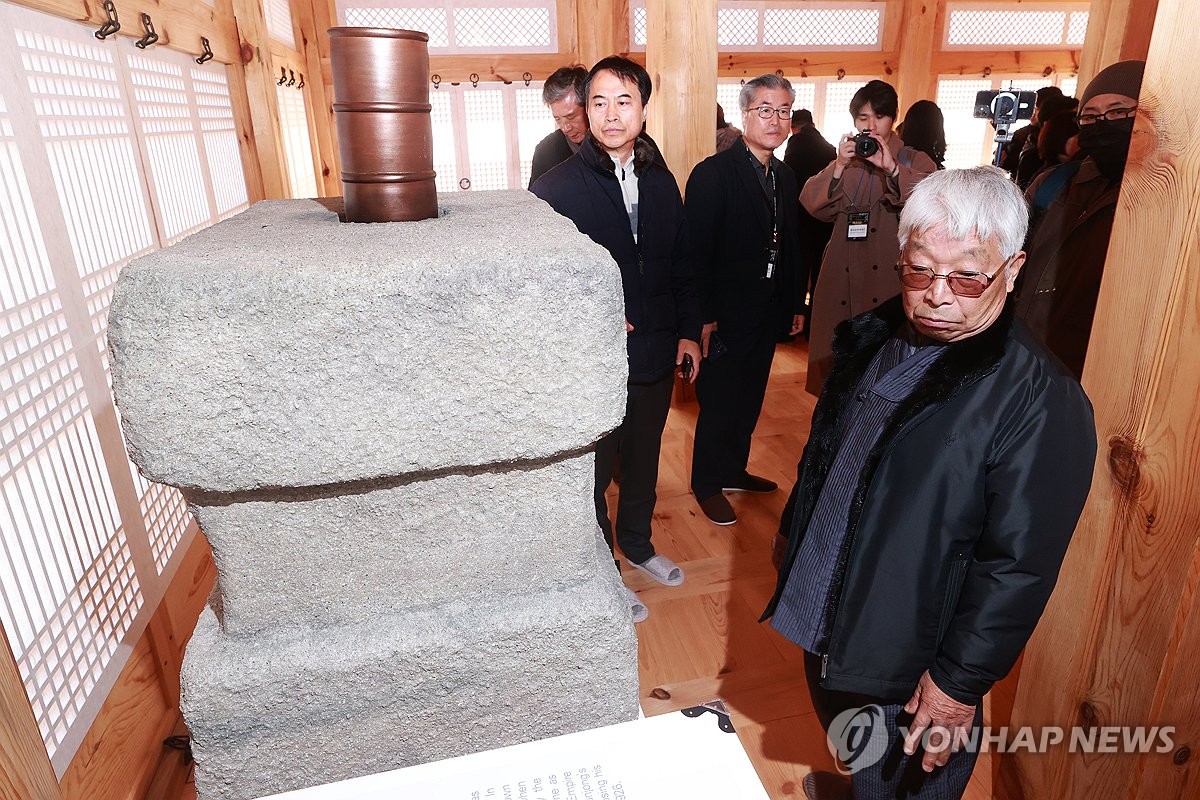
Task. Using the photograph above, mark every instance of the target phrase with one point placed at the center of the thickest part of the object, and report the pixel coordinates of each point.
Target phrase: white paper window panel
(464, 26)
(84, 556)
(484, 136)
(835, 113)
(278, 14)
(1029, 26)
(781, 25)
(969, 141)
(297, 145)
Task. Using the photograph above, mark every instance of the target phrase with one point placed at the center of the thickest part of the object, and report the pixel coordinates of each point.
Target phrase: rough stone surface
(354, 556)
(295, 708)
(282, 347)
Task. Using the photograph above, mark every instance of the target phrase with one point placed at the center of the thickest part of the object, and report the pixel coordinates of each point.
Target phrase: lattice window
(736, 27)
(445, 151)
(531, 116)
(835, 114)
(464, 26)
(768, 25)
(127, 150)
(219, 135)
(297, 144)
(163, 106)
(487, 138)
(1031, 26)
(1077, 28)
(850, 28)
(278, 14)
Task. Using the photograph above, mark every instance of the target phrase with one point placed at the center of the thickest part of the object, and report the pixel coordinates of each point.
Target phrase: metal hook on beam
(112, 24)
(207, 55)
(151, 35)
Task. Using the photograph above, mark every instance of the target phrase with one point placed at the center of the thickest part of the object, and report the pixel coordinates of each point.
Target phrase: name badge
(859, 224)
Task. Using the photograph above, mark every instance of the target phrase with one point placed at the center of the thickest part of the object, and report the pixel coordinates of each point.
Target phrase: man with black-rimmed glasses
(1074, 206)
(742, 209)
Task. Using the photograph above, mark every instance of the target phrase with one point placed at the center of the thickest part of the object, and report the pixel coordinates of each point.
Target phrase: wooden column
(313, 19)
(681, 57)
(916, 79)
(25, 770)
(1118, 30)
(602, 30)
(1120, 641)
(259, 90)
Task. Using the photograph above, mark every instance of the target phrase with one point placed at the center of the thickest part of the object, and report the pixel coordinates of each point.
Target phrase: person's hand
(845, 152)
(797, 324)
(689, 347)
(628, 327)
(706, 332)
(948, 720)
(883, 156)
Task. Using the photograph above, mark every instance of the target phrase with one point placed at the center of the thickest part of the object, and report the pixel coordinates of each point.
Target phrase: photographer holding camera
(861, 192)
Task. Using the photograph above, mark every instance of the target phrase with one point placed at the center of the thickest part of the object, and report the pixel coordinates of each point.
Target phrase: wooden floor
(703, 639)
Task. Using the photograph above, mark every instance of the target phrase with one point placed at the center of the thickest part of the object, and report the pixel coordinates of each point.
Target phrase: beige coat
(856, 276)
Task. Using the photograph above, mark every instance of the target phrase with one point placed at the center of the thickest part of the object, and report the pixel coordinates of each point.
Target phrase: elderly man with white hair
(949, 460)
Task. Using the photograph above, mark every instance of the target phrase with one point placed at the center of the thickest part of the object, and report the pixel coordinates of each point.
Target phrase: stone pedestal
(385, 432)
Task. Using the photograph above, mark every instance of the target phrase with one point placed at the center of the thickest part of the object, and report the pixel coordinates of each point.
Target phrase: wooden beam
(1120, 642)
(971, 63)
(259, 87)
(179, 23)
(25, 769)
(916, 81)
(681, 57)
(807, 65)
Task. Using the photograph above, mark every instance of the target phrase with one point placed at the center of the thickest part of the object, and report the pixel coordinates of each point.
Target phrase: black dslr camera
(864, 145)
(1004, 108)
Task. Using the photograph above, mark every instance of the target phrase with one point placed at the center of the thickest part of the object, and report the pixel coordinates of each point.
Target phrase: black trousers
(638, 440)
(730, 391)
(895, 776)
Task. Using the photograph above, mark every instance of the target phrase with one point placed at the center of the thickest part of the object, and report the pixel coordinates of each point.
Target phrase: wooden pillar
(602, 29)
(259, 89)
(1120, 641)
(313, 19)
(1118, 30)
(25, 770)
(681, 57)
(918, 39)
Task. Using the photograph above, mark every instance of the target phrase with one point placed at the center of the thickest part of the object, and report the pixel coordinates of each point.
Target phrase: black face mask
(1107, 142)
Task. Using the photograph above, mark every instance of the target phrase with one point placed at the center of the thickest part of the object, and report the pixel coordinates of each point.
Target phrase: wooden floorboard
(703, 639)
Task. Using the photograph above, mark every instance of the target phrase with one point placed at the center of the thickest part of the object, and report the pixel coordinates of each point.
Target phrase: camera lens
(865, 146)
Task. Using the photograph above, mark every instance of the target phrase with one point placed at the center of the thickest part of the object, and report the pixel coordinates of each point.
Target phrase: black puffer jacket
(661, 300)
(962, 514)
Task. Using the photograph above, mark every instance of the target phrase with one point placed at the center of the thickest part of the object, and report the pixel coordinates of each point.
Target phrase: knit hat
(1123, 77)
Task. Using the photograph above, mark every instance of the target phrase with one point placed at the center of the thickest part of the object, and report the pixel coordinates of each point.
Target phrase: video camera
(1004, 107)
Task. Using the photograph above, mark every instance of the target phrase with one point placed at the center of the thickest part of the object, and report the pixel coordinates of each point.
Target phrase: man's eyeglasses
(765, 112)
(1112, 113)
(963, 284)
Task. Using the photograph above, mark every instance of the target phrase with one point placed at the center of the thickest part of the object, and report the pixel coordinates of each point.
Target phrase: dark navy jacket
(661, 300)
(962, 514)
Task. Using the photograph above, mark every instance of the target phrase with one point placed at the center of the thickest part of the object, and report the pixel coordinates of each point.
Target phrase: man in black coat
(563, 95)
(948, 463)
(742, 211)
(617, 192)
(807, 154)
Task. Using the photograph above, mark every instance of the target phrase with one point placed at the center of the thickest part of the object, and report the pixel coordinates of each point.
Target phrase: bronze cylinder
(385, 134)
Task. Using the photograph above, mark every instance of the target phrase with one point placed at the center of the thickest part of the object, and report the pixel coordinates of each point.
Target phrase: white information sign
(667, 756)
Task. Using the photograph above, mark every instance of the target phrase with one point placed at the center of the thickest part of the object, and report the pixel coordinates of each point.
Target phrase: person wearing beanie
(1074, 205)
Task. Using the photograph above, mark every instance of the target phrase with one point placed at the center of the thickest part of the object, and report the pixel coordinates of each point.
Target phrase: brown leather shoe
(718, 510)
(825, 786)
